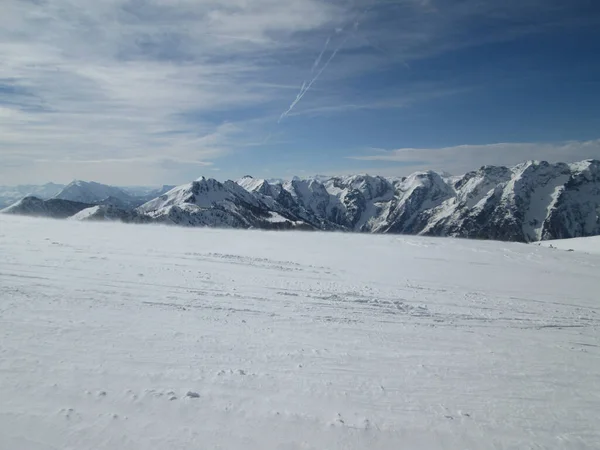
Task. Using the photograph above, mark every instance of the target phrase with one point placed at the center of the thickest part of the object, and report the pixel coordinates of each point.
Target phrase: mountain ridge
(532, 201)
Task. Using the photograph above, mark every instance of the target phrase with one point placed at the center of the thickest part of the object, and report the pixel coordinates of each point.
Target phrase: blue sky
(164, 91)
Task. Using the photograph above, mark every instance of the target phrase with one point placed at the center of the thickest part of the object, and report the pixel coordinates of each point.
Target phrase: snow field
(149, 337)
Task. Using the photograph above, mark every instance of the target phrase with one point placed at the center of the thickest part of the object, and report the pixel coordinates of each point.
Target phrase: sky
(150, 92)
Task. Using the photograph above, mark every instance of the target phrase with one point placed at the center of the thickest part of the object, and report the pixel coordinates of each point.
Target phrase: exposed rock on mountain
(54, 208)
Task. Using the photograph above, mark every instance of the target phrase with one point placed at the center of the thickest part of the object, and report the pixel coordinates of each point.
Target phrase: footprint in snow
(338, 421)
(220, 373)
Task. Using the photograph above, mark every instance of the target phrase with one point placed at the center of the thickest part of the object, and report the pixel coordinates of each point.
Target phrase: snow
(540, 184)
(85, 213)
(276, 218)
(368, 216)
(589, 245)
(377, 191)
(181, 195)
(251, 184)
(127, 337)
(543, 200)
(477, 185)
(313, 196)
(581, 166)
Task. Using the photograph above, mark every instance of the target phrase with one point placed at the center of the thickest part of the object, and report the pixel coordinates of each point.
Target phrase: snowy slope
(144, 337)
(589, 245)
(110, 213)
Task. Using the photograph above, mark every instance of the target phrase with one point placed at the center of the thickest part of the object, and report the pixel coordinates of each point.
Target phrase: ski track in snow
(145, 337)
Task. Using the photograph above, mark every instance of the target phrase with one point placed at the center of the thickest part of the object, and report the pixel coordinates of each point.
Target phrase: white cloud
(463, 158)
(97, 82)
(128, 80)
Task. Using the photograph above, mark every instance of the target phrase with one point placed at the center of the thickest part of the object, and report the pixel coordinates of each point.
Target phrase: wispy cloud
(107, 81)
(463, 158)
(96, 83)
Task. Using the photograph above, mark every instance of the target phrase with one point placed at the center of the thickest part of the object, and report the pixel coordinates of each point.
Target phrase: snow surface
(589, 245)
(125, 337)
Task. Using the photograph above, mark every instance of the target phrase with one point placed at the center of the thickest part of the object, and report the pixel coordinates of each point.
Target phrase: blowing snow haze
(175, 274)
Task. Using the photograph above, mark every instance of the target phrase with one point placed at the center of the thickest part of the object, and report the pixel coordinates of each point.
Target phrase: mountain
(96, 193)
(279, 200)
(11, 194)
(207, 202)
(530, 202)
(115, 203)
(54, 208)
(86, 192)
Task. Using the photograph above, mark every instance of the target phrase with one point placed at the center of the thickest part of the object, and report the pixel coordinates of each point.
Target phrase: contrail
(318, 60)
(306, 87)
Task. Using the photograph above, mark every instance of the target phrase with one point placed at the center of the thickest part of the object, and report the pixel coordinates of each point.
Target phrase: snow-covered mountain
(99, 213)
(529, 202)
(11, 194)
(54, 208)
(532, 201)
(207, 202)
(97, 193)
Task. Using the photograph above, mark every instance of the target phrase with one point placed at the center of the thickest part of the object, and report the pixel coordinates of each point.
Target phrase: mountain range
(11, 194)
(529, 202)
